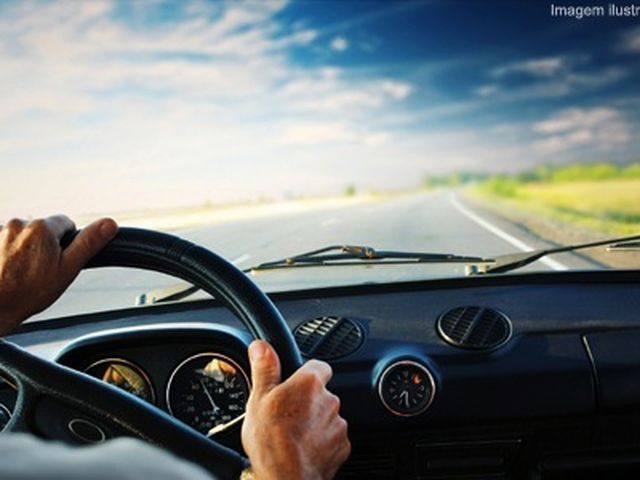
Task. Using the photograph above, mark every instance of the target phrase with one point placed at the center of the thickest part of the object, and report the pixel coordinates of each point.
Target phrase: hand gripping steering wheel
(46, 388)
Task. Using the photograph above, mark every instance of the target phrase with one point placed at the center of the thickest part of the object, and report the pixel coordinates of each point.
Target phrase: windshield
(263, 130)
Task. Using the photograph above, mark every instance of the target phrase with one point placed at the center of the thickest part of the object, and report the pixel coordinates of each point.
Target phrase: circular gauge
(208, 391)
(123, 374)
(406, 388)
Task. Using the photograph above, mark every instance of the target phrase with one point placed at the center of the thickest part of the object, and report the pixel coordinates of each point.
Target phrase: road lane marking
(519, 244)
(241, 258)
(329, 221)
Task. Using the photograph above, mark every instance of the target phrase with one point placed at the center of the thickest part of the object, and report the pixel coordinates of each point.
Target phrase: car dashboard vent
(328, 338)
(476, 328)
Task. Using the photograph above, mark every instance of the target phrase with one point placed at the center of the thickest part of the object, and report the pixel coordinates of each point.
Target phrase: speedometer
(208, 391)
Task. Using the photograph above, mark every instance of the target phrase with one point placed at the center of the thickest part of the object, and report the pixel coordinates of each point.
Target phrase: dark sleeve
(24, 457)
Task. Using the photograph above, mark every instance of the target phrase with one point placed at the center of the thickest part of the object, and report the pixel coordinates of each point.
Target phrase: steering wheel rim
(37, 378)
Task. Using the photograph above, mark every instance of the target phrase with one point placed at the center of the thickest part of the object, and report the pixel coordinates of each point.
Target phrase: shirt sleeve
(24, 457)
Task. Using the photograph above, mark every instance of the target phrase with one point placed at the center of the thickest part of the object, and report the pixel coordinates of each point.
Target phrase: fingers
(87, 244)
(315, 368)
(265, 368)
(12, 228)
(59, 224)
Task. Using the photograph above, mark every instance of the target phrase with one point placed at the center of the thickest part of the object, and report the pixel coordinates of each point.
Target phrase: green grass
(602, 197)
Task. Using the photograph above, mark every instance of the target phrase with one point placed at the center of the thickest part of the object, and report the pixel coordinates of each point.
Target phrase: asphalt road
(435, 222)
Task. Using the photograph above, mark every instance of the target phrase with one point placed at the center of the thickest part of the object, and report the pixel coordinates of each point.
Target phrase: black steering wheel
(47, 390)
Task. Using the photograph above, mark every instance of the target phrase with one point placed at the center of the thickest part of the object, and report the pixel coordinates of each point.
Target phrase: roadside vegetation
(603, 196)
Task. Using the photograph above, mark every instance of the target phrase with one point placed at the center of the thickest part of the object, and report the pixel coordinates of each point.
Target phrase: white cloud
(631, 41)
(486, 90)
(549, 78)
(339, 44)
(599, 128)
(204, 106)
(397, 90)
(304, 37)
(540, 67)
(330, 91)
(317, 133)
(575, 118)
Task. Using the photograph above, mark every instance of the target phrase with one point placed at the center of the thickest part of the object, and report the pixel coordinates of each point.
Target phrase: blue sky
(113, 105)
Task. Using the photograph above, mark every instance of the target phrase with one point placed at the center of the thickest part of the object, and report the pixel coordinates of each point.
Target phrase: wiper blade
(334, 255)
(624, 246)
(341, 255)
(506, 263)
(169, 294)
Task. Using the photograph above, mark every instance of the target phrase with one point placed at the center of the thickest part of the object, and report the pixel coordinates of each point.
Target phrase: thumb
(265, 367)
(91, 239)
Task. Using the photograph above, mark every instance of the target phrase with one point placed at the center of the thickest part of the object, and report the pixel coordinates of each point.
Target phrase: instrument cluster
(208, 390)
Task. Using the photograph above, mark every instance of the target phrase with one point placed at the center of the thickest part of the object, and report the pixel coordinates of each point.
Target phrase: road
(437, 221)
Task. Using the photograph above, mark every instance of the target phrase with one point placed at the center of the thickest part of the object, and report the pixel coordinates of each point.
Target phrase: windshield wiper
(341, 255)
(334, 255)
(513, 261)
(624, 246)
(169, 294)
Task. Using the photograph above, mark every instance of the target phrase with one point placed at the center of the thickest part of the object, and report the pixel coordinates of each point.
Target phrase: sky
(124, 105)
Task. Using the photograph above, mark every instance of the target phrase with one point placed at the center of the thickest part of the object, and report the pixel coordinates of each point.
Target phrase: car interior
(529, 375)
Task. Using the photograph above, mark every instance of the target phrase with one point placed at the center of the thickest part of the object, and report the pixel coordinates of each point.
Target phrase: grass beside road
(569, 205)
(611, 206)
(601, 198)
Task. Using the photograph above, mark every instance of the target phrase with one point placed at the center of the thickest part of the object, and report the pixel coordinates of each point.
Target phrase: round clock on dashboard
(406, 388)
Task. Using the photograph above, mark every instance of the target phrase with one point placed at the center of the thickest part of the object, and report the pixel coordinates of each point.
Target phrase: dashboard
(520, 376)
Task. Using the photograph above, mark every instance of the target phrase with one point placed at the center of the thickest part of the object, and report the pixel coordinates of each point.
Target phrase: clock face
(406, 388)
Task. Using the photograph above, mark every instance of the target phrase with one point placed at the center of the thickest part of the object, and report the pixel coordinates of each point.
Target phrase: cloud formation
(549, 77)
(339, 44)
(600, 128)
(117, 105)
(631, 41)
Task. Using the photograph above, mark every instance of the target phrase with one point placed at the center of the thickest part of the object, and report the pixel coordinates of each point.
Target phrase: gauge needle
(206, 392)
(405, 394)
(223, 426)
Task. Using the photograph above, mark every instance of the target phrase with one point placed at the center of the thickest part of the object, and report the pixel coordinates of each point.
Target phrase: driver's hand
(292, 430)
(35, 271)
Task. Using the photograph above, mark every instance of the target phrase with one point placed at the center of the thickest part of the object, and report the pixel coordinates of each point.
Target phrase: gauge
(406, 388)
(208, 391)
(124, 375)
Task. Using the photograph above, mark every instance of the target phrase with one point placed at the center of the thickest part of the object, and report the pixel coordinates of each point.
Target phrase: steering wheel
(49, 391)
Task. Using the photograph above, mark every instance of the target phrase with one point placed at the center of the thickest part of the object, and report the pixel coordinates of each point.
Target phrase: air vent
(475, 328)
(327, 338)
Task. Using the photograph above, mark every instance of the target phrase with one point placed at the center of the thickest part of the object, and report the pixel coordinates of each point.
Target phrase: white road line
(329, 221)
(554, 264)
(241, 258)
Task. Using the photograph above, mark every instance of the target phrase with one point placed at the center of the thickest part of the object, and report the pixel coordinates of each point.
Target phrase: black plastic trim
(534, 278)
